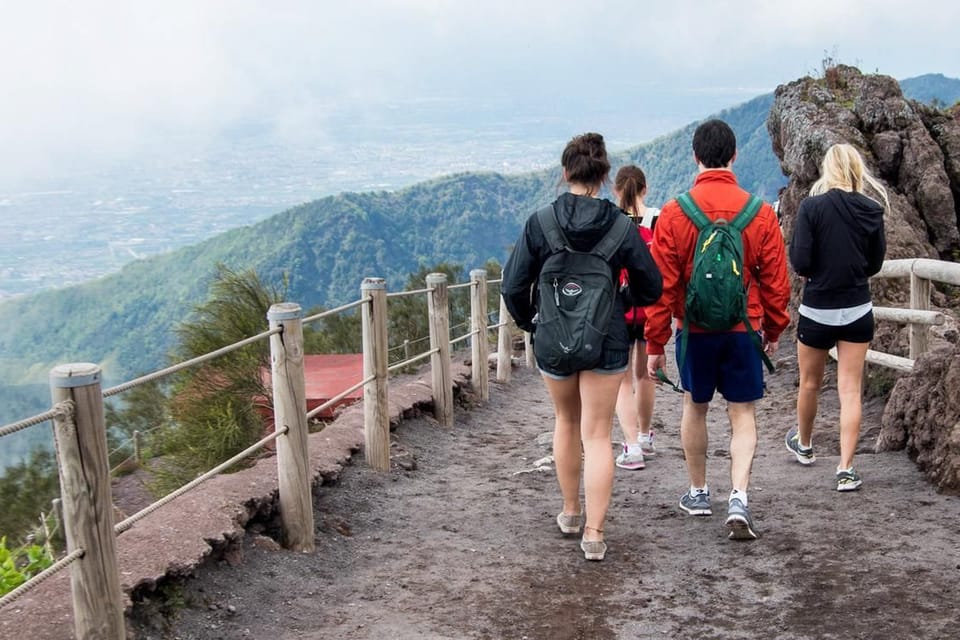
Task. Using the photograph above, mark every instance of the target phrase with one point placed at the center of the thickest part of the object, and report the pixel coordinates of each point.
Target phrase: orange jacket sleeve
(672, 267)
(770, 291)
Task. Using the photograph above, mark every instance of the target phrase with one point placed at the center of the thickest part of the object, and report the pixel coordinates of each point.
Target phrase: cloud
(104, 79)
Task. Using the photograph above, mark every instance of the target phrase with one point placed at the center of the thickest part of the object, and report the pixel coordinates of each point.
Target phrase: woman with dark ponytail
(584, 401)
(637, 391)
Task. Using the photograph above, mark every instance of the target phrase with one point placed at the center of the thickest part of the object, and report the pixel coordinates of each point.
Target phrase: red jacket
(718, 195)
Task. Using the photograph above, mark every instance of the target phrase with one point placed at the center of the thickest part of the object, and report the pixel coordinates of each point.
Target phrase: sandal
(593, 549)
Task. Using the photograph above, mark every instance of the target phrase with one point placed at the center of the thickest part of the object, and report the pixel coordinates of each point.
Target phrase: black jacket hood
(583, 219)
(859, 211)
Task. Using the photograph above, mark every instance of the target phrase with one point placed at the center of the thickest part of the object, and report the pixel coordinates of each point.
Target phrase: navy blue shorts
(825, 336)
(727, 362)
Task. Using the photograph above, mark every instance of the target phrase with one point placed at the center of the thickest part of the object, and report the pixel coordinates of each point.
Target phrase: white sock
(739, 495)
(695, 490)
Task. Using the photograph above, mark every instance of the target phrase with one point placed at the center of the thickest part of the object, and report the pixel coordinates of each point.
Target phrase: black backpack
(576, 294)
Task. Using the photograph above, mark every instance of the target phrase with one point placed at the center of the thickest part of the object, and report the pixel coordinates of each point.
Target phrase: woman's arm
(801, 243)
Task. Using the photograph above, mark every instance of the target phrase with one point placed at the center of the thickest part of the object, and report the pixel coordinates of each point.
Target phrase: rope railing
(27, 423)
(330, 312)
(339, 396)
(411, 360)
(403, 294)
(35, 581)
(465, 336)
(80, 382)
(122, 526)
(156, 375)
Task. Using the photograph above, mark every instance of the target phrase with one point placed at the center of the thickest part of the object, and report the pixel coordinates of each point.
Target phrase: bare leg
(743, 442)
(627, 404)
(645, 391)
(693, 437)
(851, 356)
(566, 438)
(812, 363)
(598, 394)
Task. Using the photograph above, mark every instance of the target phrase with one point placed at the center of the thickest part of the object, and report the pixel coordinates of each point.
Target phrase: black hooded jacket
(837, 244)
(584, 221)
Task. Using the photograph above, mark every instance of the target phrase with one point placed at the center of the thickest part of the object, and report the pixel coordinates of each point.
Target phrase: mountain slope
(326, 247)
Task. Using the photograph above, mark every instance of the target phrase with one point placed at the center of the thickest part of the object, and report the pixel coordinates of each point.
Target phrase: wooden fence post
(919, 299)
(528, 350)
(290, 411)
(138, 448)
(480, 351)
(438, 310)
(504, 343)
(88, 510)
(376, 412)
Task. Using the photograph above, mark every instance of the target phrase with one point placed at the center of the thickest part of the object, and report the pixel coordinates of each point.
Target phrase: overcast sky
(98, 80)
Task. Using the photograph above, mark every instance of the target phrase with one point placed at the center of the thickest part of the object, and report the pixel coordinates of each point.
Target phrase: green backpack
(716, 295)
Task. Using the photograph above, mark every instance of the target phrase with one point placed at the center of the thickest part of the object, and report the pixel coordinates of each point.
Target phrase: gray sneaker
(568, 523)
(848, 480)
(739, 523)
(696, 504)
(804, 454)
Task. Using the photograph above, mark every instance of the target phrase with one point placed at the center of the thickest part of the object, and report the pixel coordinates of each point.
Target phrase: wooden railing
(78, 416)
(919, 317)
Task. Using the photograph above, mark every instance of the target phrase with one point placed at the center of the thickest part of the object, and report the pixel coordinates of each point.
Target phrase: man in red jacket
(726, 361)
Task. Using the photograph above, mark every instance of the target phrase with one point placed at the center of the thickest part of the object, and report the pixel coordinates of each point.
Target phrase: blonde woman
(637, 390)
(837, 244)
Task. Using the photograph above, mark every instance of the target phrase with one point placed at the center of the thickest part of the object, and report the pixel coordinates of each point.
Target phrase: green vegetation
(214, 407)
(20, 564)
(26, 489)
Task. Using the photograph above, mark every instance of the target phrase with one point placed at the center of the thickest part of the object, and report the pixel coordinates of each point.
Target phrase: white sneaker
(646, 444)
(628, 460)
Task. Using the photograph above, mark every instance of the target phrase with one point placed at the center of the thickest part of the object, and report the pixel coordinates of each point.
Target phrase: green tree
(143, 409)
(26, 489)
(215, 407)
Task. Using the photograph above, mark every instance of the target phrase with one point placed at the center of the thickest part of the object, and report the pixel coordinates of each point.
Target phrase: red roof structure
(326, 375)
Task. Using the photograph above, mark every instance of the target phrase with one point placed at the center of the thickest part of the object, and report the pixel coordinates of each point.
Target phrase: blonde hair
(843, 168)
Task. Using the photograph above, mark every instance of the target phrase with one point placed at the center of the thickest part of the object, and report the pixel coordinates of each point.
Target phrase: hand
(654, 363)
(770, 346)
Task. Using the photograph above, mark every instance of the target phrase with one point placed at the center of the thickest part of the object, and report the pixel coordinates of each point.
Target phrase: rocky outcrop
(914, 150)
(923, 416)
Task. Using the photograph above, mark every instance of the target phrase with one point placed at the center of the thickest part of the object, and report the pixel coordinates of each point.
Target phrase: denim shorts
(614, 361)
(824, 336)
(728, 362)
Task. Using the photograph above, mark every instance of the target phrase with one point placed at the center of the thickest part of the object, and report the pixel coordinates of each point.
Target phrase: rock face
(923, 416)
(914, 150)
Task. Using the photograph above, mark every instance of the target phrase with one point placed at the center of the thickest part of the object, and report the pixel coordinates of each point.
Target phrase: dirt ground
(458, 540)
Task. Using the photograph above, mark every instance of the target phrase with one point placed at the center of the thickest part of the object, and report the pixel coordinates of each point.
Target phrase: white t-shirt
(648, 216)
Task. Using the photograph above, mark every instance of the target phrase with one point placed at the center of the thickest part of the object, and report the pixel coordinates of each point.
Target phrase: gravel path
(458, 541)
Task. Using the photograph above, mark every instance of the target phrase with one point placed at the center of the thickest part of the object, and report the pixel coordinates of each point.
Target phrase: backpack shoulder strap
(692, 211)
(747, 214)
(614, 237)
(551, 229)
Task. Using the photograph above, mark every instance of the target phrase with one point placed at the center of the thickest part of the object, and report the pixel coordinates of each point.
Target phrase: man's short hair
(714, 144)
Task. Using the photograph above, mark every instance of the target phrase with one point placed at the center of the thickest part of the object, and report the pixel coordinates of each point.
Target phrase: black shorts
(825, 336)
